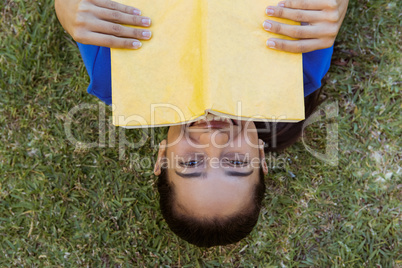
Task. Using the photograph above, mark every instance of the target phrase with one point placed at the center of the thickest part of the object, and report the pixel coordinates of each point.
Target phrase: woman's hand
(321, 21)
(97, 22)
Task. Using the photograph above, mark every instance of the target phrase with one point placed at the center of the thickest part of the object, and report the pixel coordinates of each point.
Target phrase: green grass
(62, 205)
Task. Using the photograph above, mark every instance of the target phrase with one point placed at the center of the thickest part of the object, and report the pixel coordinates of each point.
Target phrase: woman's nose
(217, 138)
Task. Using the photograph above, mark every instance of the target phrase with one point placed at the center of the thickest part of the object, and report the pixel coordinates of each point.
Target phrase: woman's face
(213, 165)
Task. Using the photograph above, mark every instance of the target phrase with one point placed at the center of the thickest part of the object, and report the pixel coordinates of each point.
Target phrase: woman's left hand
(321, 21)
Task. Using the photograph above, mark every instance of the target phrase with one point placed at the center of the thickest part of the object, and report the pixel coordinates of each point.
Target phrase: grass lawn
(62, 204)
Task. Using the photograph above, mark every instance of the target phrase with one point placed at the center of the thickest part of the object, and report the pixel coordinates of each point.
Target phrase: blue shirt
(97, 63)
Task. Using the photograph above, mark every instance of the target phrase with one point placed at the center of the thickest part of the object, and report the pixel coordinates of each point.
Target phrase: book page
(245, 77)
(162, 82)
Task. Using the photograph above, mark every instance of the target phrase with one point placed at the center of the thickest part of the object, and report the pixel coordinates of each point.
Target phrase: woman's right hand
(98, 22)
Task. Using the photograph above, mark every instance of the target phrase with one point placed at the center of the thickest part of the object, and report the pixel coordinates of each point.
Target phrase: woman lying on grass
(211, 172)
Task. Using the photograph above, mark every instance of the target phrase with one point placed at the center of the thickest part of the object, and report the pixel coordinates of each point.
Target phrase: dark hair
(278, 136)
(207, 232)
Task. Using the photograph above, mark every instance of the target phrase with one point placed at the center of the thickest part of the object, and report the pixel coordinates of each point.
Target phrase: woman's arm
(321, 21)
(98, 22)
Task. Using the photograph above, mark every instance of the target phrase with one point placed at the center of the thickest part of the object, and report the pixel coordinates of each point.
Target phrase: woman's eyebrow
(190, 175)
(203, 174)
(238, 173)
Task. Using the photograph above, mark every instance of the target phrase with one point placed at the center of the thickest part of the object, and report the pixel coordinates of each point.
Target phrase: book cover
(205, 56)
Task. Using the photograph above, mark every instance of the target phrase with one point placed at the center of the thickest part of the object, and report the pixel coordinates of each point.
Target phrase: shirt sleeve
(315, 66)
(97, 63)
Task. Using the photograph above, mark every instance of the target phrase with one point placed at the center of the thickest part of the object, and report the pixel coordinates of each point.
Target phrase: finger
(122, 18)
(294, 14)
(299, 46)
(293, 31)
(118, 30)
(117, 6)
(111, 41)
(307, 4)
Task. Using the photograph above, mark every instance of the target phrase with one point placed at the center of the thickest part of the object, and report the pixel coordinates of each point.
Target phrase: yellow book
(205, 56)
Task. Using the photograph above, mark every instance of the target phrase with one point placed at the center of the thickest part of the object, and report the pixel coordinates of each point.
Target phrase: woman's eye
(238, 163)
(191, 163)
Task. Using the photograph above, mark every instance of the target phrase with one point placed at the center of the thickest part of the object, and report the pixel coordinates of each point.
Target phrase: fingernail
(146, 34)
(146, 22)
(267, 25)
(137, 44)
(269, 11)
(137, 12)
(281, 4)
(271, 44)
